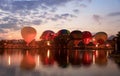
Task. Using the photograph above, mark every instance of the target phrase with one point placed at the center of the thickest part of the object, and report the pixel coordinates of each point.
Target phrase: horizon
(83, 15)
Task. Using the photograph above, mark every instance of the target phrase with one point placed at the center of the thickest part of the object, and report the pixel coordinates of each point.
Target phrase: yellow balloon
(28, 34)
(101, 35)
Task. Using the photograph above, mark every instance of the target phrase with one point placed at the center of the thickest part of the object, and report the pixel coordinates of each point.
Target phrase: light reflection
(96, 45)
(93, 59)
(66, 59)
(94, 56)
(28, 61)
(96, 53)
(38, 60)
(87, 58)
(101, 58)
(48, 53)
(9, 60)
(62, 57)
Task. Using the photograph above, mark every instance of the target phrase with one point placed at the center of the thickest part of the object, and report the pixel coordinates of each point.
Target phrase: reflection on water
(28, 61)
(57, 62)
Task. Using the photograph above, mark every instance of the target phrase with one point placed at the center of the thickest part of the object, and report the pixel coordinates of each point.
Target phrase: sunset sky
(90, 15)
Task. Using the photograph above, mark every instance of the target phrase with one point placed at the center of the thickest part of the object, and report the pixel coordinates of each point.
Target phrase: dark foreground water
(59, 62)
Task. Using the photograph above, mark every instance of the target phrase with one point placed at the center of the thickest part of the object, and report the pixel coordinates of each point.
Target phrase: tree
(118, 42)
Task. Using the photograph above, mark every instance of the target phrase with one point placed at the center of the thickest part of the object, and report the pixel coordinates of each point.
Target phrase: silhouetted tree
(118, 42)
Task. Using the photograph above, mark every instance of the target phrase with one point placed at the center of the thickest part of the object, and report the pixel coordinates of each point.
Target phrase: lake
(57, 62)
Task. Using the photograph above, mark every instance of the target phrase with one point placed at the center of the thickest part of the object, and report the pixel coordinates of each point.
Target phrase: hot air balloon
(28, 34)
(75, 38)
(47, 35)
(100, 37)
(63, 32)
(86, 36)
(62, 38)
(76, 34)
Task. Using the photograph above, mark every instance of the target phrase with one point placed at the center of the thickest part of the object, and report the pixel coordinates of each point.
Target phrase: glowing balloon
(28, 34)
(100, 37)
(86, 36)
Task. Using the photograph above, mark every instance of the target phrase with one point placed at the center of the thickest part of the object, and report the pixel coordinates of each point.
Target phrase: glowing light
(93, 39)
(107, 45)
(10, 36)
(96, 45)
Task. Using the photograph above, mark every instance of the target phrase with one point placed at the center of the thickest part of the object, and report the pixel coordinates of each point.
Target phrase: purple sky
(90, 15)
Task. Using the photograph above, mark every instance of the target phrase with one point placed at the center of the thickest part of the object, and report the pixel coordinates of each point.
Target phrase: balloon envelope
(100, 37)
(47, 35)
(28, 34)
(86, 36)
(63, 32)
(76, 34)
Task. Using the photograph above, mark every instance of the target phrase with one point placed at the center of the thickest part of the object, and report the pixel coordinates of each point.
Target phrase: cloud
(83, 5)
(114, 14)
(37, 22)
(97, 18)
(2, 31)
(15, 5)
(64, 16)
(89, 1)
(76, 11)
(8, 22)
(17, 13)
(9, 26)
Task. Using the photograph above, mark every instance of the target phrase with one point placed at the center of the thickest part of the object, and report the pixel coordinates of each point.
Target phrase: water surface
(57, 62)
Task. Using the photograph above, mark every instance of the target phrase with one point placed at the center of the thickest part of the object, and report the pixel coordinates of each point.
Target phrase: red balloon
(86, 40)
(47, 35)
(86, 35)
(100, 41)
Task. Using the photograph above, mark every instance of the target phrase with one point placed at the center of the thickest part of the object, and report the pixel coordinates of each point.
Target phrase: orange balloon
(28, 34)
